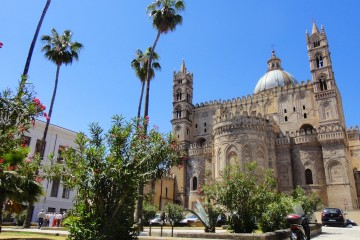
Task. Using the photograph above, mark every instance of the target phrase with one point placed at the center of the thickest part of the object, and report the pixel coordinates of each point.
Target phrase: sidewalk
(49, 231)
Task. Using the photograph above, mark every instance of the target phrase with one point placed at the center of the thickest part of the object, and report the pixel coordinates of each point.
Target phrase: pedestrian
(51, 219)
(58, 218)
(41, 217)
(163, 216)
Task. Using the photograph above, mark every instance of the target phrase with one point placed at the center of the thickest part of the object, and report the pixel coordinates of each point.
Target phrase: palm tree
(165, 18)
(139, 64)
(28, 60)
(60, 50)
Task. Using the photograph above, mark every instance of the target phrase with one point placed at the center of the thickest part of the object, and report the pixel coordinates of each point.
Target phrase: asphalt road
(339, 233)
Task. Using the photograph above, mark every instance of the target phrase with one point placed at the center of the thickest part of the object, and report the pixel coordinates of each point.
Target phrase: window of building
(304, 107)
(194, 184)
(51, 209)
(187, 131)
(205, 130)
(180, 81)
(286, 118)
(308, 176)
(166, 192)
(284, 110)
(188, 97)
(319, 61)
(294, 109)
(204, 124)
(38, 146)
(66, 193)
(305, 116)
(322, 83)
(60, 157)
(316, 43)
(178, 114)
(26, 140)
(195, 125)
(55, 188)
(178, 96)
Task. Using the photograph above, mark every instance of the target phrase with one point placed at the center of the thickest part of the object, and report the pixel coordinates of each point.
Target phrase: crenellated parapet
(226, 122)
(297, 137)
(197, 149)
(333, 132)
(257, 97)
(353, 133)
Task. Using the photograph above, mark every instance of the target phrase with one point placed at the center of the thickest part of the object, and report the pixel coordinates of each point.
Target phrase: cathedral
(297, 129)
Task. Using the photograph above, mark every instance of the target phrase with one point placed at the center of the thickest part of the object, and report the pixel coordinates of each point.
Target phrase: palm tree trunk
(50, 112)
(29, 211)
(2, 202)
(32, 46)
(140, 202)
(141, 96)
(146, 108)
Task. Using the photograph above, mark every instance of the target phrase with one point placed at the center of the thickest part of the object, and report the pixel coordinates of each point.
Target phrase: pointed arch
(246, 156)
(232, 155)
(335, 172)
(261, 156)
(308, 177)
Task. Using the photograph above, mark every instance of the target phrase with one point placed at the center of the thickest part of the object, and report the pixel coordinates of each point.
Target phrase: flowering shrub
(106, 169)
(17, 174)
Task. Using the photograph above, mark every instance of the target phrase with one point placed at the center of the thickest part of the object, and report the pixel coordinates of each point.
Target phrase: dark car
(333, 216)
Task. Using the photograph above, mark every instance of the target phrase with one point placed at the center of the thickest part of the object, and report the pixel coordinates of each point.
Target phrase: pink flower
(39, 179)
(28, 160)
(11, 168)
(43, 107)
(36, 101)
(1, 160)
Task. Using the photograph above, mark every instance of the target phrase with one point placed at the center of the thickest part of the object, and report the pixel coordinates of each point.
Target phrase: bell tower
(182, 105)
(331, 132)
(326, 92)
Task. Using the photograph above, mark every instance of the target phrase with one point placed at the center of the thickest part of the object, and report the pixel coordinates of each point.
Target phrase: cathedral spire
(314, 28)
(183, 67)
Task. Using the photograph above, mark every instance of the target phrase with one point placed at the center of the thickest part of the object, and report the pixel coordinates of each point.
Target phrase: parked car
(333, 216)
(189, 219)
(156, 220)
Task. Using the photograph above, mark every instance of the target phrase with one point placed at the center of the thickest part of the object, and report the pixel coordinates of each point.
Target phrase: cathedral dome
(275, 76)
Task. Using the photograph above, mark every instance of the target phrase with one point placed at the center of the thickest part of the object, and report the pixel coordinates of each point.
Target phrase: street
(336, 233)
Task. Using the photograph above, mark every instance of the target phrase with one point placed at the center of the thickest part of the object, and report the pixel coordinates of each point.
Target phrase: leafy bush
(174, 212)
(273, 218)
(149, 212)
(20, 218)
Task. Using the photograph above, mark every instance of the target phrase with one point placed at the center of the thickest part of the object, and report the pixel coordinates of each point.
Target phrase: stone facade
(296, 129)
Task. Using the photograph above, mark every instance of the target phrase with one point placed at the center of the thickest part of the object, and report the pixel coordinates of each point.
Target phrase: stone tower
(332, 133)
(182, 123)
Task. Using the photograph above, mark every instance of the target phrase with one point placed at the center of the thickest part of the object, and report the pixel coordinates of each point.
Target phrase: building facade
(56, 197)
(297, 129)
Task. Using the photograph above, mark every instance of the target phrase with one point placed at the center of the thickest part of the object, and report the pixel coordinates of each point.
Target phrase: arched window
(194, 184)
(308, 177)
(319, 61)
(178, 96)
(178, 113)
(322, 83)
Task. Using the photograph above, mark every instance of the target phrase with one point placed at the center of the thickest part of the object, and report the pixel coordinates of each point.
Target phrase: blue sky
(225, 44)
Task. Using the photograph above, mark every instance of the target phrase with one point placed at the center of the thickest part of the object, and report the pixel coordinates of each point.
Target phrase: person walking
(41, 217)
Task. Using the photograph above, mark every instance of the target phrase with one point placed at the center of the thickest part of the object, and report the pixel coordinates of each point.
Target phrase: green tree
(165, 17)
(33, 42)
(310, 202)
(140, 64)
(17, 114)
(106, 170)
(244, 194)
(174, 212)
(60, 50)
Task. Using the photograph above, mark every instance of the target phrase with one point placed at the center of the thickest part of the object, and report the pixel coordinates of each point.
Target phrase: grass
(28, 235)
